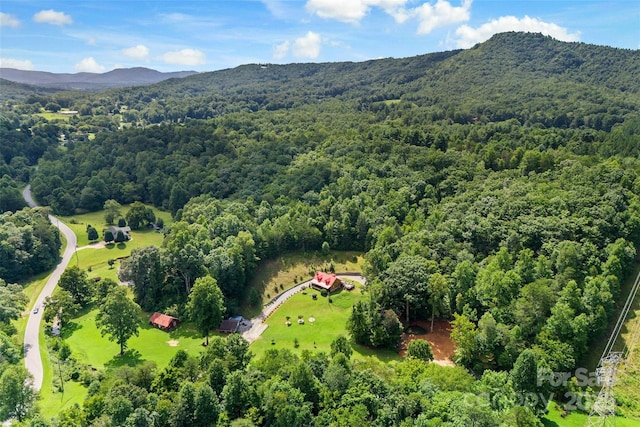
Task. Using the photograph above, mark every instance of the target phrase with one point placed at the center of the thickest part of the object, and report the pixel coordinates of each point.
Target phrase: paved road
(257, 323)
(32, 359)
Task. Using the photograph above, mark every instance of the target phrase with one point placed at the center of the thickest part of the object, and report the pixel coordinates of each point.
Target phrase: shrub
(325, 248)
(254, 298)
(324, 293)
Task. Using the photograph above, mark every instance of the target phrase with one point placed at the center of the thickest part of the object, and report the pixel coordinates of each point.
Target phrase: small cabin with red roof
(326, 282)
(163, 321)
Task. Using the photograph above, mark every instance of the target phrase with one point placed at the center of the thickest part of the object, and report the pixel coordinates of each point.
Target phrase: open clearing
(274, 276)
(329, 322)
(440, 340)
(152, 343)
(555, 419)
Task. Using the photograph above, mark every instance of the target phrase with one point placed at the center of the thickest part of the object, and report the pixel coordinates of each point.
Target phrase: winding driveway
(32, 359)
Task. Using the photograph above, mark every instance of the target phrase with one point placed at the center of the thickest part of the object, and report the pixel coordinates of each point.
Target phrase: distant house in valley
(163, 321)
(326, 282)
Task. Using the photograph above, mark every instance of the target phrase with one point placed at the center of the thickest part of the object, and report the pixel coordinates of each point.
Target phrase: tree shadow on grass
(110, 245)
(68, 329)
(186, 330)
(122, 245)
(131, 357)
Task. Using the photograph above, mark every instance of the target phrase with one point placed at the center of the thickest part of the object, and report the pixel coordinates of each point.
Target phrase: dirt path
(94, 245)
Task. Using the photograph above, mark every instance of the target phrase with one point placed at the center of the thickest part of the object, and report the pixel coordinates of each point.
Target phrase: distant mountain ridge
(121, 77)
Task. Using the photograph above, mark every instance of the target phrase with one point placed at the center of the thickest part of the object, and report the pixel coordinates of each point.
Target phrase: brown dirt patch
(440, 340)
(173, 343)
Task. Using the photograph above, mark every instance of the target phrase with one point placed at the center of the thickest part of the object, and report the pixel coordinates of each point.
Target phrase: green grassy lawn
(52, 400)
(627, 390)
(54, 116)
(96, 259)
(152, 344)
(330, 322)
(272, 276)
(576, 419)
(78, 223)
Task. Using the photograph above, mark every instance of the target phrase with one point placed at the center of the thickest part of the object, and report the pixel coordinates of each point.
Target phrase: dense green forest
(498, 187)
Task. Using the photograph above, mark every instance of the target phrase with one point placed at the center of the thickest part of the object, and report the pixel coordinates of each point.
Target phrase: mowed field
(94, 256)
(575, 419)
(627, 391)
(275, 275)
(152, 344)
(329, 321)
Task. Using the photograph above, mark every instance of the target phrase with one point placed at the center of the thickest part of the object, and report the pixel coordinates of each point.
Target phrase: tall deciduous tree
(463, 334)
(12, 301)
(183, 257)
(206, 305)
(118, 318)
(144, 269)
(17, 395)
(111, 211)
(139, 215)
(407, 282)
(74, 280)
(62, 305)
(438, 295)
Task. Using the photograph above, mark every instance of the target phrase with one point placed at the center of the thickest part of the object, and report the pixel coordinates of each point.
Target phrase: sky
(69, 36)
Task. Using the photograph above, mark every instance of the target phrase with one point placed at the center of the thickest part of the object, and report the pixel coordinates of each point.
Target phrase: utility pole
(603, 411)
(61, 379)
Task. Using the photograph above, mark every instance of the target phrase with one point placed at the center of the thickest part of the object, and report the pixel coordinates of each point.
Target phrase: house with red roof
(325, 282)
(163, 321)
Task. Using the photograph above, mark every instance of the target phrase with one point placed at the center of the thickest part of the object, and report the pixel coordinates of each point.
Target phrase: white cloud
(441, 14)
(184, 57)
(276, 7)
(7, 20)
(89, 65)
(91, 41)
(307, 46)
(52, 17)
(20, 64)
(140, 52)
(468, 36)
(281, 50)
(429, 15)
(353, 11)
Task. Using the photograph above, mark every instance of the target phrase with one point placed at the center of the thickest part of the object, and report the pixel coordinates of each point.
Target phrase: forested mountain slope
(559, 82)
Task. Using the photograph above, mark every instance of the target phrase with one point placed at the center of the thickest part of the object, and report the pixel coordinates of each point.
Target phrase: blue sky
(68, 36)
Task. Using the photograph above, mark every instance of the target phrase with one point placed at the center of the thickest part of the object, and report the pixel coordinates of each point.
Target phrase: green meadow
(94, 256)
(555, 418)
(329, 322)
(152, 344)
(274, 275)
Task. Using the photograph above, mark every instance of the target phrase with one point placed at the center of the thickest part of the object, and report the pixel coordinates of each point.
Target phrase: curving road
(32, 359)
